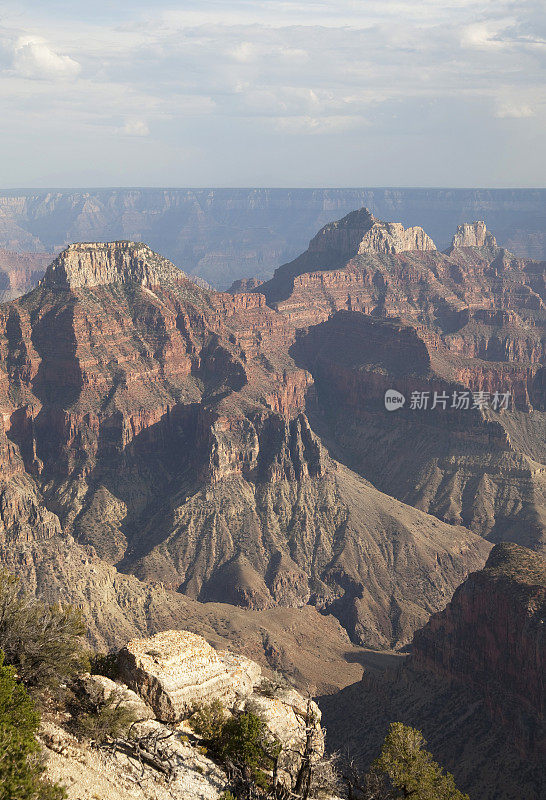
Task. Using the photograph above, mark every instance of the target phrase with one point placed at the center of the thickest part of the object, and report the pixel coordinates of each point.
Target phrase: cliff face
(473, 235)
(164, 427)
(476, 670)
(492, 637)
(20, 272)
(467, 466)
(98, 264)
(478, 316)
(392, 237)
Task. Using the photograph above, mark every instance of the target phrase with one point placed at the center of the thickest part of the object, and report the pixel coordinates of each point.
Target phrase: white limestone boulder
(176, 672)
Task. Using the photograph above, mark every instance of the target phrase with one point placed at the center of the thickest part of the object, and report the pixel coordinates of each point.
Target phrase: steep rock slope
(492, 636)
(163, 425)
(474, 683)
(373, 318)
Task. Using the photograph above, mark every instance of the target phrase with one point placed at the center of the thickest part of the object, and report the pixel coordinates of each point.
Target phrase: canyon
(471, 318)
(163, 427)
(222, 235)
(176, 458)
(20, 272)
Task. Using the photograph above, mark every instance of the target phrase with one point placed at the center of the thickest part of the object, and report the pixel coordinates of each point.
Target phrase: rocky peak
(392, 237)
(473, 234)
(360, 232)
(87, 264)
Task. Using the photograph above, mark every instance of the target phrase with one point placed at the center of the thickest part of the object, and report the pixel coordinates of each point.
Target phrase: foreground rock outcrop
(162, 682)
(176, 672)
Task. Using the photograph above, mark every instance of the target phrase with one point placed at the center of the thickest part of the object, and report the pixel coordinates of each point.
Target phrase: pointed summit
(88, 264)
(360, 232)
(473, 234)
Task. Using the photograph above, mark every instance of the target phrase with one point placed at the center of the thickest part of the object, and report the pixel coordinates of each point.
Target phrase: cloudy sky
(272, 93)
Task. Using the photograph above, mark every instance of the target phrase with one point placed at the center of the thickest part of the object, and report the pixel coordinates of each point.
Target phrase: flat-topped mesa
(360, 232)
(473, 234)
(88, 264)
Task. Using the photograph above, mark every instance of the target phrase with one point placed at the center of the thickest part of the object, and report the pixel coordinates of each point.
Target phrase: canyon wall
(226, 234)
(492, 637)
(473, 684)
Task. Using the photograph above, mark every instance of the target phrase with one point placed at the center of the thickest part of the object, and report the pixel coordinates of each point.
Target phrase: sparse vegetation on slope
(41, 642)
(21, 768)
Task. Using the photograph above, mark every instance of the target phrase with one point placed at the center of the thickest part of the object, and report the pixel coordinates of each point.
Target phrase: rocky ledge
(163, 681)
(176, 671)
(88, 264)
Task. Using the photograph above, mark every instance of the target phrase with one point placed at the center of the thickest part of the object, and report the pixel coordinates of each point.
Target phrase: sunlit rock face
(100, 264)
(473, 235)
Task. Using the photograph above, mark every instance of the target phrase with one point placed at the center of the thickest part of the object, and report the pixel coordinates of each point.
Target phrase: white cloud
(232, 74)
(247, 52)
(514, 111)
(136, 127)
(318, 125)
(33, 58)
(481, 36)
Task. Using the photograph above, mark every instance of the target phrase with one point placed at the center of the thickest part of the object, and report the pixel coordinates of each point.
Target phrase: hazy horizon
(256, 187)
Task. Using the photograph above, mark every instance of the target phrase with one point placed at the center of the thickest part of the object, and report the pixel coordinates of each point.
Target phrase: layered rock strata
(492, 636)
(164, 427)
(177, 672)
(473, 684)
(478, 316)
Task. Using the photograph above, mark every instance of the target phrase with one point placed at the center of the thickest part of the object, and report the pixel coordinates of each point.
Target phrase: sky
(274, 93)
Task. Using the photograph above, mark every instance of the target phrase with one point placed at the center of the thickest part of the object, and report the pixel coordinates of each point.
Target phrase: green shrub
(242, 739)
(21, 769)
(110, 720)
(209, 721)
(42, 642)
(411, 769)
(245, 740)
